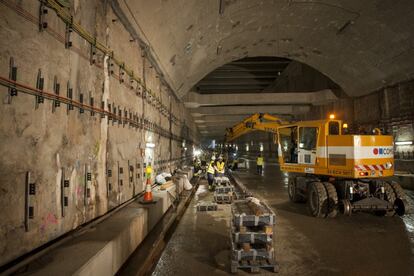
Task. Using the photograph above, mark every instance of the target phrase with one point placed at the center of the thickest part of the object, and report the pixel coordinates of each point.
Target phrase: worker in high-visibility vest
(210, 173)
(220, 166)
(259, 163)
(197, 166)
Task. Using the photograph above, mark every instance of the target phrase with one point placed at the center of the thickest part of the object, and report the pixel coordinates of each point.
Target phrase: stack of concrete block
(221, 180)
(224, 191)
(203, 206)
(223, 198)
(252, 236)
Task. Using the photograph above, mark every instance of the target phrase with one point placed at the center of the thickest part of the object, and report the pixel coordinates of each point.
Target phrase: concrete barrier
(102, 249)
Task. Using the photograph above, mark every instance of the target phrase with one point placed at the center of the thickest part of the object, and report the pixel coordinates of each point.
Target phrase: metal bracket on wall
(39, 85)
(92, 58)
(131, 81)
(120, 182)
(111, 64)
(114, 114)
(103, 109)
(68, 31)
(87, 189)
(131, 120)
(119, 115)
(130, 173)
(69, 92)
(109, 112)
(91, 103)
(30, 192)
(109, 177)
(81, 110)
(56, 89)
(64, 185)
(13, 77)
(42, 16)
(121, 73)
(125, 118)
(138, 89)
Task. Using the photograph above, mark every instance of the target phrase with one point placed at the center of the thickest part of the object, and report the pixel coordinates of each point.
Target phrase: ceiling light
(150, 145)
(402, 143)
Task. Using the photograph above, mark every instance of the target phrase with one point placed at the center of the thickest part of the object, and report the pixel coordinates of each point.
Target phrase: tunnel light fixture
(345, 125)
(150, 145)
(331, 116)
(403, 143)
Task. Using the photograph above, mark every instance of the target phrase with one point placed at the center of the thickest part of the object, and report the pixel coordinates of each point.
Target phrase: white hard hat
(213, 158)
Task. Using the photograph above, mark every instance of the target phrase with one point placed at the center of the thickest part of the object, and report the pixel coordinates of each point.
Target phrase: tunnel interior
(99, 97)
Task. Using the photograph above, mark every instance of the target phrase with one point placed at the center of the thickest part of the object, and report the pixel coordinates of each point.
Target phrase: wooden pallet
(252, 235)
(255, 266)
(223, 198)
(206, 206)
(221, 180)
(222, 189)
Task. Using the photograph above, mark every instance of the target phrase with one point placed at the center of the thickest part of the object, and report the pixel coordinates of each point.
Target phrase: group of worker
(215, 168)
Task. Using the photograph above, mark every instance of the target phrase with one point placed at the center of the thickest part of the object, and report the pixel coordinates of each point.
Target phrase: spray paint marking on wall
(46, 221)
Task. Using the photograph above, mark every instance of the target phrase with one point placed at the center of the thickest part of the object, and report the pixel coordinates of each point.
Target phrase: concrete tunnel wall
(63, 145)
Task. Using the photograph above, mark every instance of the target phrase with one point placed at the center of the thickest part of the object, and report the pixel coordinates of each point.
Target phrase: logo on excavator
(382, 151)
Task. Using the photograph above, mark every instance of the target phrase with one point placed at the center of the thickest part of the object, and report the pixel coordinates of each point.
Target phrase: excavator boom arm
(262, 122)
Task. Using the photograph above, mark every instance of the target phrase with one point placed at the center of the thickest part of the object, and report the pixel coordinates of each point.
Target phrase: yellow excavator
(331, 169)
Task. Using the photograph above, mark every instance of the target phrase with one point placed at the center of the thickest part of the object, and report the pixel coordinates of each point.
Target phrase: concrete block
(166, 197)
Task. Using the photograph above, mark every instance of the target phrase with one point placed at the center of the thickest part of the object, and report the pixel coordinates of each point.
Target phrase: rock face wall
(62, 165)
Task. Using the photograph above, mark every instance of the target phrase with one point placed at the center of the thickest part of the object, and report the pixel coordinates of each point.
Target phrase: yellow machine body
(322, 148)
(320, 152)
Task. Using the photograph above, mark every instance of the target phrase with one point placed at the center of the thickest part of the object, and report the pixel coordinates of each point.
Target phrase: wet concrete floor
(362, 244)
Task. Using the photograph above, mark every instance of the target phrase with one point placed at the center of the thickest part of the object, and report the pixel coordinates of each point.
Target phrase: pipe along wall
(78, 108)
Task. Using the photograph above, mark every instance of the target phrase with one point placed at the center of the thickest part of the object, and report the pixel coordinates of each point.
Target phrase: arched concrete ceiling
(360, 45)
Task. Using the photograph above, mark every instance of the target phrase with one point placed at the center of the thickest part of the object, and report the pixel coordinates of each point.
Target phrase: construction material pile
(224, 191)
(252, 236)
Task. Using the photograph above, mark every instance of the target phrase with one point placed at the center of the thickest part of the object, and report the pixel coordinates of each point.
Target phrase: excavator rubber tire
(400, 202)
(294, 196)
(317, 200)
(332, 201)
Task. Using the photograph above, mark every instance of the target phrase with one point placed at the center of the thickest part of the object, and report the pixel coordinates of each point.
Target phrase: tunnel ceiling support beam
(241, 110)
(195, 100)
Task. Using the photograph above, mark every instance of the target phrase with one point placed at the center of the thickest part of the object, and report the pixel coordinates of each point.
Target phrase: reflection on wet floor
(362, 244)
(409, 219)
(200, 245)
